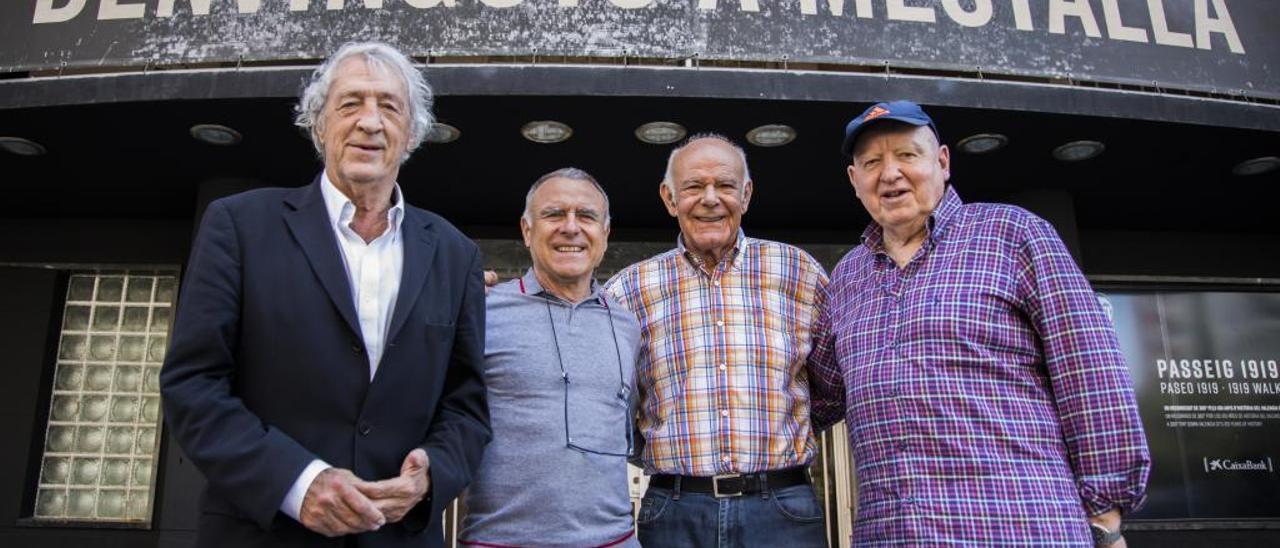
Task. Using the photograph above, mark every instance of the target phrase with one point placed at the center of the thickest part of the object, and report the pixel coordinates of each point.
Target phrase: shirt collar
(697, 259)
(529, 285)
(873, 235)
(341, 209)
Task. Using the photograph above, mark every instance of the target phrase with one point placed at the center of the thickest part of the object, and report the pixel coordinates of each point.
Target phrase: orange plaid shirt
(722, 381)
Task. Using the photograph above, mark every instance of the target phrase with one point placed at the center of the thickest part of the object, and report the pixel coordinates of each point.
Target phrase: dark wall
(1181, 254)
(94, 241)
(24, 330)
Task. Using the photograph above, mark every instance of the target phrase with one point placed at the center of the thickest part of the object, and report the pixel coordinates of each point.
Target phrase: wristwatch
(1103, 537)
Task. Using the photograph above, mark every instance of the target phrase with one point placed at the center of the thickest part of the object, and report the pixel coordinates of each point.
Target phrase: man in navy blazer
(325, 369)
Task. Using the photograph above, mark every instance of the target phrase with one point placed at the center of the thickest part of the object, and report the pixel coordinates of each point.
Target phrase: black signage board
(1206, 366)
(1223, 46)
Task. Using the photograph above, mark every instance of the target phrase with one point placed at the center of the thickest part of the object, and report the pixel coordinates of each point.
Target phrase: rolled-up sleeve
(1092, 388)
(826, 381)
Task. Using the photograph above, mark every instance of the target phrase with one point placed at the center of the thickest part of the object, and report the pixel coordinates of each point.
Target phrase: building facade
(1148, 133)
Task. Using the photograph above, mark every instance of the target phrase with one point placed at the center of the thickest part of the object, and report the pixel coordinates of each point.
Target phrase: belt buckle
(715, 485)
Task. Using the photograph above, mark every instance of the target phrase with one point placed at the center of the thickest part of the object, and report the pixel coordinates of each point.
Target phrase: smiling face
(709, 197)
(567, 234)
(364, 125)
(899, 172)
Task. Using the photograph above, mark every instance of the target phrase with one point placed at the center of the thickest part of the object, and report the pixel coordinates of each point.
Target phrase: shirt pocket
(968, 318)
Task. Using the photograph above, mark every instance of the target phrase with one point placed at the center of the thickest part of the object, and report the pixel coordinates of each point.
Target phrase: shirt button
(720, 323)
(724, 413)
(724, 458)
(723, 367)
(717, 283)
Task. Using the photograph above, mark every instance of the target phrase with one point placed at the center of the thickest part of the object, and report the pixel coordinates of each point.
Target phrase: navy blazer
(267, 369)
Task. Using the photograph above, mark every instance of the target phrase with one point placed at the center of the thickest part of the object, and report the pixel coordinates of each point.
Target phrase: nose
(709, 196)
(370, 120)
(890, 171)
(570, 225)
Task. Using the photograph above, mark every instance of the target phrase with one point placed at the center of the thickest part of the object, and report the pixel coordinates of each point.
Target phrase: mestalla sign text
(1224, 46)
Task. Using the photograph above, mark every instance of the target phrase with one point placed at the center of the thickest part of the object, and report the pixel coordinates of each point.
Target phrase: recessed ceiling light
(21, 147)
(442, 133)
(982, 143)
(772, 135)
(1257, 166)
(546, 131)
(660, 133)
(1076, 151)
(215, 134)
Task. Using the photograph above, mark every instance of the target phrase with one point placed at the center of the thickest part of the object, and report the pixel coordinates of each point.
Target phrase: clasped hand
(340, 503)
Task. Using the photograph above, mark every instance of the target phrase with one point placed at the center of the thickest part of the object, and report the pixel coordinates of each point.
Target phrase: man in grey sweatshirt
(559, 368)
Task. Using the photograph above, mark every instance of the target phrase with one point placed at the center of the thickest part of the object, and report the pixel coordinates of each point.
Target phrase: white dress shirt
(373, 272)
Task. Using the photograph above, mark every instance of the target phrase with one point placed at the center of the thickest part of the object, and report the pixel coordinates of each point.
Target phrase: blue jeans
(790, 516)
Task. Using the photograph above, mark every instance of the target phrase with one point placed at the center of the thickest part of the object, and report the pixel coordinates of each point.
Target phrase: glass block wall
(104, 418)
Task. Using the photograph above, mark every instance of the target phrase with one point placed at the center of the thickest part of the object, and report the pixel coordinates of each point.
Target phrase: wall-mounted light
(1257, 166)
(546, 131)
(215, 134)
(442, 133)
(771, 135)
(660, 133)
(982, 143)
(21, 147)
(1076, 151)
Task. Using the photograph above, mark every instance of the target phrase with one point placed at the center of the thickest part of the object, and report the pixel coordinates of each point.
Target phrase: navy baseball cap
(902, 111)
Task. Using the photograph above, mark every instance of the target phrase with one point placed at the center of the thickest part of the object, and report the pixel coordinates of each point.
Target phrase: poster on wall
(1206, 367)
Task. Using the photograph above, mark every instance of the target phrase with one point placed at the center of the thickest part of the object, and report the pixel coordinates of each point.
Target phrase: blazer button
(365, 428)
(355, 347)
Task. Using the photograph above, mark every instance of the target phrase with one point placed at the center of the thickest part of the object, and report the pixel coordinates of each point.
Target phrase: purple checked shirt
(986, 396)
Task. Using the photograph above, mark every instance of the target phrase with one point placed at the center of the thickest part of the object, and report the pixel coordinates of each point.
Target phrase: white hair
(669, 180)
(571, 173)
(379, 57)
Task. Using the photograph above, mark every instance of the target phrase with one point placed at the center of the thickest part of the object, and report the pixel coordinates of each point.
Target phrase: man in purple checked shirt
(987, 400)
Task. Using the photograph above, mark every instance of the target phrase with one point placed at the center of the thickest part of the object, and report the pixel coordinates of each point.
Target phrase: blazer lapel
(308, 221)
(419, 252)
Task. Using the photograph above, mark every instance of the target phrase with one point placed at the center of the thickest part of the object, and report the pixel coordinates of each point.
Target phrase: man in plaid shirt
(987, 400)
(726, 327)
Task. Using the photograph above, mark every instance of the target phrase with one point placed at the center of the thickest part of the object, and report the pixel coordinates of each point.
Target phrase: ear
(850, 171)
(668, 200)
(525, 230)
(944, 162)
(747, 188)
(604, 247)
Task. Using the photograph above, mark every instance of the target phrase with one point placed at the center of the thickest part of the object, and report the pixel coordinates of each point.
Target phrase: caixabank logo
(1214, 465)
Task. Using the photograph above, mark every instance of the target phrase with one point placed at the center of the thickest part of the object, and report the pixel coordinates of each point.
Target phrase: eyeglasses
(623, 394)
